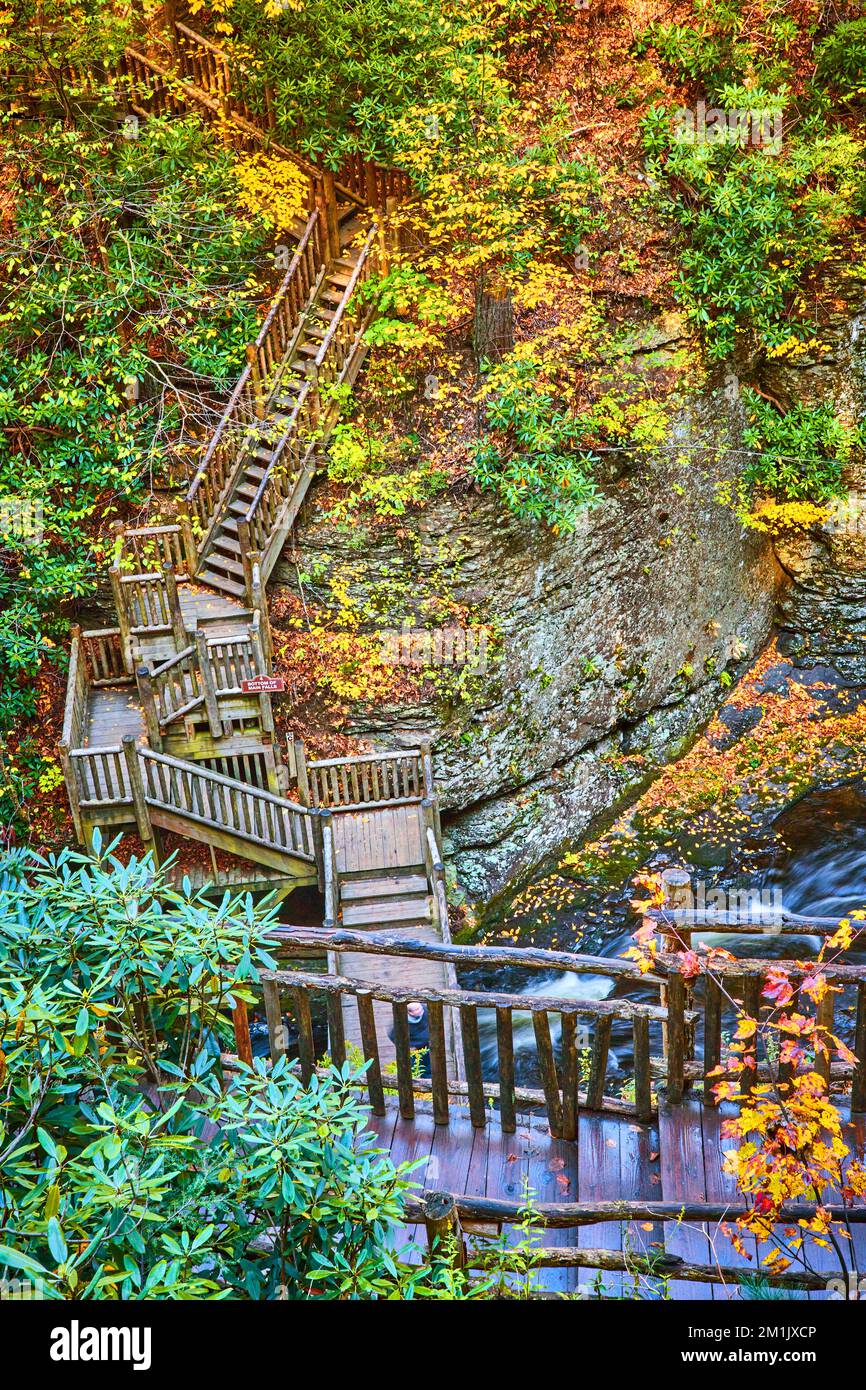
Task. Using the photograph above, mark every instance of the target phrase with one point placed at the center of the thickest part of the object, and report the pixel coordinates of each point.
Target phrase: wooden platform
(676, 1159)
(389, 837)
(112, 713)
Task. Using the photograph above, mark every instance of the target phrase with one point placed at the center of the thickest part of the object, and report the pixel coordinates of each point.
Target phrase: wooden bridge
(164, 735)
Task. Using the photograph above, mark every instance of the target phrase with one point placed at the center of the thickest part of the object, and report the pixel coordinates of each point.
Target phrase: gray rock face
(823, 612)
(612, 642)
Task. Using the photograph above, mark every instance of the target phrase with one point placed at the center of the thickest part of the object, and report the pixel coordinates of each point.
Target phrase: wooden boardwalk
(676, 1159)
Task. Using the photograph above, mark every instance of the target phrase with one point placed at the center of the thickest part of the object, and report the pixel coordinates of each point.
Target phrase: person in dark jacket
(419, 1035)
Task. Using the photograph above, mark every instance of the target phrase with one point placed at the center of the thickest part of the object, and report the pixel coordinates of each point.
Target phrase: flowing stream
(812, 861)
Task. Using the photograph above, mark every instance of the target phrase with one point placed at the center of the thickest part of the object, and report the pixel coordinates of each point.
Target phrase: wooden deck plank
(598, 1181)
(682, 1173)
(722, 1187)
(640, 1177)
(553, 1177)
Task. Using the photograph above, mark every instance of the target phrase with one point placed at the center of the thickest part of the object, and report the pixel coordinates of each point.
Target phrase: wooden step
(395, 912)
(338, 277)
(216, 559)
(227, 544)
(221, 582)
(365, 890)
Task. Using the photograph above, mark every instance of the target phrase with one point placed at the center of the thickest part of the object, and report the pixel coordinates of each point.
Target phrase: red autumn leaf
(689, 964)
(778, 987)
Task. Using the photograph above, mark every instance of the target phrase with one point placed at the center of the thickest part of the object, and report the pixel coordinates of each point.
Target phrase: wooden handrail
(466, 998)
(365, 758)
(246, 374)
(275, 457)
(206, 774)
(524, 957)
(204, 97)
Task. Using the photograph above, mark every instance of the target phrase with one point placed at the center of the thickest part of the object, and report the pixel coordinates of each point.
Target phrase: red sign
(264, 685)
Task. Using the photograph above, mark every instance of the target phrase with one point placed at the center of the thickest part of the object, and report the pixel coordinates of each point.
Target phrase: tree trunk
(493, 333)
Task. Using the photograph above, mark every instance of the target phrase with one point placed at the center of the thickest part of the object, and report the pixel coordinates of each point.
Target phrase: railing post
(148, 705)
(265, 710)
(211, 703)
(314, 397)
(675, 886)
(442, 1228)
(426, 750)
(303, 783)
(243, 1042)
(329, 869)
(245, 543)
(259, 603)
(123, 622)
(256, 380)
(189, 545)
(332, 224)
(177, 625)
(66, 763)
(136, 787)
(384, 257)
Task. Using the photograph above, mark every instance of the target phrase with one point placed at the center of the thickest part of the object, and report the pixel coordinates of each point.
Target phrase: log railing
(207, 675)
(170, 691)
(147, 605)
(337, 355)
(203, 74)
(452, 1221)
(242, 421)
(200, 75)
(733, 990)
(103, 654)
(100, 778)
(729, 990)
(289, 472)
(192, 793)
(560, 1095)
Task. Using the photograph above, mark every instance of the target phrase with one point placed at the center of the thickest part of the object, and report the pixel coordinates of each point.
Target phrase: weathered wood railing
(102, 650)
(170, 691)
(186, 795)
(169, 89)
(100, 780)
(199, 72)
(452, 1222)
(241, 426)
(560, 1095)
(733, 990)
(730, 990)
(146, 605)
(148, 549)
(370, 779)
(338, 353)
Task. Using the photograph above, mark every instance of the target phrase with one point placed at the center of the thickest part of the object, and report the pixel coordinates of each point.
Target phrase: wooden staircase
(221, 564)
(401, 899)
(182, 745)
